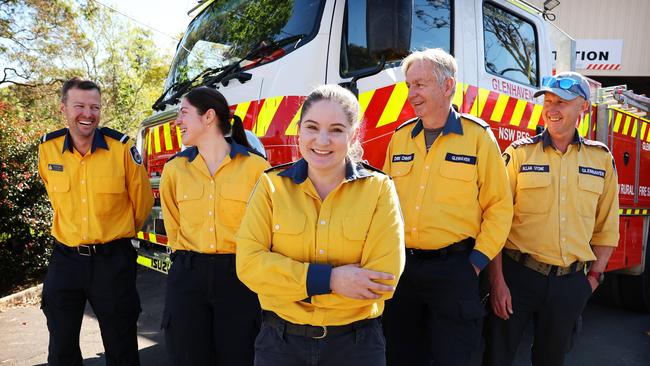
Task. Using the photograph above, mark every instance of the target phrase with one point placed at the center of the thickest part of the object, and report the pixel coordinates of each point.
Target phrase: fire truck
(265, 56)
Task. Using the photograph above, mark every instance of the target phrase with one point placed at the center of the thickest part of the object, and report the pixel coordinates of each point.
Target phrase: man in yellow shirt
(101, 196)
(565, 216)
(457, 206)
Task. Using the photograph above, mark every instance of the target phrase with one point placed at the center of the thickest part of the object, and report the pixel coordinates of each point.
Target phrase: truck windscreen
(227, 31)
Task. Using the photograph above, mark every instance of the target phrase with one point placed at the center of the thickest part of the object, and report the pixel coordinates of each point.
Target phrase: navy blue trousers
(362, 346)
(552, 303)
(210, 317)
(435, 316)
(107, 281)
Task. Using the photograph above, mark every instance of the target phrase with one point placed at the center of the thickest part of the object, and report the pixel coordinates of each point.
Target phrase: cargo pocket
(590, 188)
(233, 203)
(107, 194)
(355, 231)
(534, 193)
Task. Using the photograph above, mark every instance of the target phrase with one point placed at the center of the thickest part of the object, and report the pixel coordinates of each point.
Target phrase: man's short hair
(78, 83)
(444, 64)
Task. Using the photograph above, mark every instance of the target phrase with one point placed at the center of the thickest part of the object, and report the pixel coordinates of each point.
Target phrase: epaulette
(526, 141)
(277, 167)
(372, 168)
(53, 135)
(410, 121)
(116, 135)
(475, 119)
(595, 144)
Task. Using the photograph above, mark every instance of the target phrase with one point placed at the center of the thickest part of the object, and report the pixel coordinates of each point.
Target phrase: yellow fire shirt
(563, 202)
(456, 190)
(203, 212)
(99, 197)
(290, 240)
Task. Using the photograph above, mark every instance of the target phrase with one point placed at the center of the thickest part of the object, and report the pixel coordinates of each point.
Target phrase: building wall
(628, 20)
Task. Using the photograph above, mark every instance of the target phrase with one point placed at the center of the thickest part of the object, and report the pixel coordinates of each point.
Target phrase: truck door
(512, 49)
(365, 31)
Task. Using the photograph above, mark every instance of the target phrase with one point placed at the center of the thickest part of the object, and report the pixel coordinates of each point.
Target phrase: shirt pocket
(589, 190)
(534, 193)
(232, 204)
(288, 234)
(457, 183)
(59, 187)
(400, 174)
(190, 207)
(355, 232)
(109, 195)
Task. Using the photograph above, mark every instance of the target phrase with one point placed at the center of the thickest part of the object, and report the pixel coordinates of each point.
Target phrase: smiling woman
(322, 244)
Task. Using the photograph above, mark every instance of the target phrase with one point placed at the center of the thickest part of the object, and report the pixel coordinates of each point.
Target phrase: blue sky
(167, 16)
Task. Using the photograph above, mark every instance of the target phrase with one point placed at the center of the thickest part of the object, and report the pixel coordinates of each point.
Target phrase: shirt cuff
(478, 259)
(318, 279)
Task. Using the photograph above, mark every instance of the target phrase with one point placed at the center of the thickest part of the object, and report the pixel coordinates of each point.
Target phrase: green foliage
(46, 42)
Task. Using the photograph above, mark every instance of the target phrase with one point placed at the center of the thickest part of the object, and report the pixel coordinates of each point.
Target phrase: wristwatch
(598, 276)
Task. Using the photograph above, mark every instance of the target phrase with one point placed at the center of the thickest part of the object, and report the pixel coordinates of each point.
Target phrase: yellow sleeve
(606, 226)
(383, 249)
(495, 199)
(264, 272)
(389, 152)
(139, 188)
(42, 167)
(171, 213)
(512, 168)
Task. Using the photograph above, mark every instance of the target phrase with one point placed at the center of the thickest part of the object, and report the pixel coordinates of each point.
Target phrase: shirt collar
(298, 171)
(98, 141)
(546, 139)
(192, 152)
(452, 125)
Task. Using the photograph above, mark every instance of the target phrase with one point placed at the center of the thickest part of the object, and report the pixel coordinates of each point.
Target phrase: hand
(593, 282)
(500, 299)
(358, 283)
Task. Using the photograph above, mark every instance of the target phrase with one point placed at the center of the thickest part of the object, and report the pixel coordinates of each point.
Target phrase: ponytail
(237, 132)
(204, 99)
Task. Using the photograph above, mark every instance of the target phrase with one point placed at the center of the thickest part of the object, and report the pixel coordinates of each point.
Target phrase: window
(510, 45)
(430, 27)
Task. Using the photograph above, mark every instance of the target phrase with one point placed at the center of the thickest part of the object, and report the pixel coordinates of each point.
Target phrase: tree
(44, 42)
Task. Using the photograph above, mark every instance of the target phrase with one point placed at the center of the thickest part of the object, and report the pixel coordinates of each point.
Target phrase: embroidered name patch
(55, 167)
(399, 158)
(591, 171)
(534, 168)
(461, 158)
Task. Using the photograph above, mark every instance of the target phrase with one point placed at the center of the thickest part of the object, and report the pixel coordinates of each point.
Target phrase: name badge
(55, 167)
(591, 171)
(403, 157)
(534, 168)
(466, 159)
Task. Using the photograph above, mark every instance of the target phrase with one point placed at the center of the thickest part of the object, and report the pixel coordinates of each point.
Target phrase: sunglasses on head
(564, 84)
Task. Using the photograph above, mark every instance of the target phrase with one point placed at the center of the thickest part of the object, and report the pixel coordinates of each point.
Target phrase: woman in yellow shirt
(322, 244)
(210, 316)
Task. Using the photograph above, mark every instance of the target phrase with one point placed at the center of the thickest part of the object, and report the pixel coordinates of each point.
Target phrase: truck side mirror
(388, 28)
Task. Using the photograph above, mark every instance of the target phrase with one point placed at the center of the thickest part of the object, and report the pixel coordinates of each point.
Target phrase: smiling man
(101, 196)
(457, 206)
(565, 217)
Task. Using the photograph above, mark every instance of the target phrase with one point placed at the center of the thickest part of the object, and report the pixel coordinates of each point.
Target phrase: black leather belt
(88, 250)
(313, 331)
(464, 245)
(544, 268)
